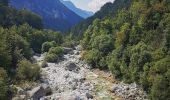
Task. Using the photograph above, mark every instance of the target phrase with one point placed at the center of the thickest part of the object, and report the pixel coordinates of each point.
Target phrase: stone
(89, 96)
(16, 98)
(20, 91)
(71, 66)
(67, 50)
(23, 97)
(66, 75)
(47, 89)
(39, 91)
(77, 53)
(44, 64)
(79, 48)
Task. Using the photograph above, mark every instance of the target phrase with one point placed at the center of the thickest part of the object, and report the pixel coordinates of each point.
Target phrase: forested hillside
(134, 45)
(21, 36)
(109, 9)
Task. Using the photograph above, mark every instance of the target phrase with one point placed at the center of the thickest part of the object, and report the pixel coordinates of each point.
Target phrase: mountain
(55, 15)
(78, 11)
(108, 10)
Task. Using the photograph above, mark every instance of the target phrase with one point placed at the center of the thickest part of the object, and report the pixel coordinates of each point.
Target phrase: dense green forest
(21, 36)
(134, 45)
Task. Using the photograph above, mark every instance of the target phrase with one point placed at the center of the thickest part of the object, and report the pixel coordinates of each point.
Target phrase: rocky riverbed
(72, 79)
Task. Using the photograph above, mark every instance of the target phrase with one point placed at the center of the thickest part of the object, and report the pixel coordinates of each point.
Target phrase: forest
(134, 45)
(21, 36)
(132, 42)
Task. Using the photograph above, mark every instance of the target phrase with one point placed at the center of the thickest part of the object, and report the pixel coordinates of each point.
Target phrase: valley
(53, 50)
(73, 79)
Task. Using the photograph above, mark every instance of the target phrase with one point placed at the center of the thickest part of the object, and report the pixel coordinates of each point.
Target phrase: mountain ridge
(78, 11)
(56, 16)
(109, 9)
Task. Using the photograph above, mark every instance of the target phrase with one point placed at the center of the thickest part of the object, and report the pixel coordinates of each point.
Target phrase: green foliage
(134, 45)
(30, 18)
(37, 38)
(69, 41)
(47, 45)
(108, 10)
(27, 71)
(10, 17)
(92, 57)
(5, 57)
(3, 84)
(103, 43)
(98, 43)
(21, 34)
(54, 54)
(160, 79)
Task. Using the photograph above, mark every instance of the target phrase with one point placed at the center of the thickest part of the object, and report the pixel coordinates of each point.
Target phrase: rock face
(78, 11)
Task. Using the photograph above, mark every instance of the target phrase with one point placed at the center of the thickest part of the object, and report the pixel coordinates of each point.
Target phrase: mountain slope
(80, 12)
(55, 15)
(109, 10)
(134, 45)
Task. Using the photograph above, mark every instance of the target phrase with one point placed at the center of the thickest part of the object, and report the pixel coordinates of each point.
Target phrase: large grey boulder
(71, 66)
(67, 50)
(89, 96)
(39, 91)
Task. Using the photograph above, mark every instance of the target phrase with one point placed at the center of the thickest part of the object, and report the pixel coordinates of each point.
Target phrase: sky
(90, 5)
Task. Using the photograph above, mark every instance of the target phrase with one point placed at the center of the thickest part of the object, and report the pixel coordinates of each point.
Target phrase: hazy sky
(90, 5)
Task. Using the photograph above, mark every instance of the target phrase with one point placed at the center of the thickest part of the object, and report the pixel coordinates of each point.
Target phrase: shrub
(3, 84)
(27, 71)
(92, 57)
(69, 41)
(54, 54)
(51, 58)
(103, 43)
(47, 45)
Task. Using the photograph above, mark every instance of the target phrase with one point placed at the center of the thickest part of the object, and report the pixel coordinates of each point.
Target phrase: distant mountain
(55, 15)
(78, 11)
(108, 10)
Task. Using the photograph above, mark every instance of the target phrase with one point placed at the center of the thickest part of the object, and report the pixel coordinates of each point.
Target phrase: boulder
(79, 48)
(71, 67)
(89, 96)
(47, 89)
(39, 91)
(44, 64)
(77, 53)
(114, 88)
(23, 97)
(67, 50)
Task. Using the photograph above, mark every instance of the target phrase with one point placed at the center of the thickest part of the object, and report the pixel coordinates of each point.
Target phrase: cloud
(95, 5)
